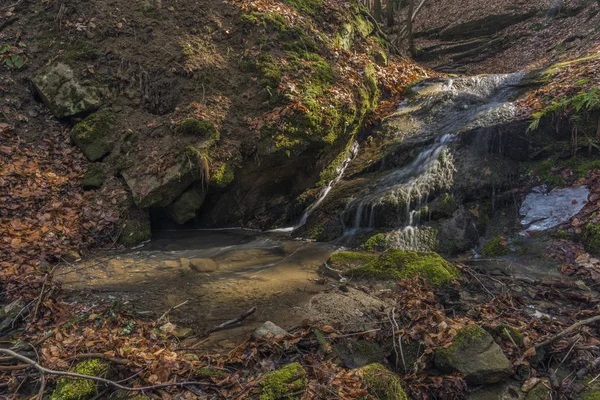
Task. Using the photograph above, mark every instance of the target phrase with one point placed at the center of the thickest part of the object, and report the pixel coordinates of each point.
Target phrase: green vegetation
(541, 391)
(590, 237)
(311, 7)
(195, 127)
(382, 383)
(494, 248)
(81, 50)
(350, 258)
(466, 337)
(545, 170)
(285, 383)
(94, 178)
(376, 242)
(92, 135)
(581, 102)
(205, 372)
(402, 264)
(79, 389)
(444, 205)
(222, 176)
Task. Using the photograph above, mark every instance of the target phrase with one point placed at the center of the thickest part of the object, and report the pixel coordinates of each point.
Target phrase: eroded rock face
(474, 354)
(63, 94)
(185, 206)
(152, 190)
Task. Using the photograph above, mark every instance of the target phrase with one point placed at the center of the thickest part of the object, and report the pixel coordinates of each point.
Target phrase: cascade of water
(455, 105)
(340, 174)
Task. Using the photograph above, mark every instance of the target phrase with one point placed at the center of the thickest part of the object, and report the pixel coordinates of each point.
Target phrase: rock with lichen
(288, 382)
(78, 389)
(382, 383)
(93, 135)
(63, 94)
(474, 354)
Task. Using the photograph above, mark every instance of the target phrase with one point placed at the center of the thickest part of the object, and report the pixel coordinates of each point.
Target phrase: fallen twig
(43, 371)
(233, 321)
(568, 330)
(100, 355)
(171, 309)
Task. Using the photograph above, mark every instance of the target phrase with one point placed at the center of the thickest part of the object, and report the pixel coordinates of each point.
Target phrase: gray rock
(62, 94)
(162, 189)
(542, 211)
(93, 135)
(185, 206)
(6, 324)
(358, 354)
(13, 309)
(266, 329)
(510, 390)
(474, 354)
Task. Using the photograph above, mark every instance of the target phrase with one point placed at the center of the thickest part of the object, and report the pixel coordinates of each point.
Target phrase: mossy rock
(79, 389)
(403, 264)
(288, 382)
(541, 391)
(136, 229)
(94, 178)
(443, 206)
(93, 135)
(382, 383)
(474, 354)
(223, 176)
(377, 242)
(495, 248)
(344, 261)
(196, 127)
(590, 237)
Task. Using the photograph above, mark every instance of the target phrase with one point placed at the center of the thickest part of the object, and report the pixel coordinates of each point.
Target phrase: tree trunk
(390, 13)
(409, 25)
(377, 11)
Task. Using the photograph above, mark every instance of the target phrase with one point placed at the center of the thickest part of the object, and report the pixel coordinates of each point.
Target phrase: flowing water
(443, 110)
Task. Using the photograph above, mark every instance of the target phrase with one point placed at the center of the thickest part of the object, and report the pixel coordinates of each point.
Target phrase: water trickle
(443, 109)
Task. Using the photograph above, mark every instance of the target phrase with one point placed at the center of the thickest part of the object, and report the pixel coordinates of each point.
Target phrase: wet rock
(358, 354)
(459, 233)
(382, 383)
(542, 210)
(93, 135)
(203, 265)
(62, 93)
(284, 383)
(161, 190)
(185, 206)
(268, 328)
(474, 354)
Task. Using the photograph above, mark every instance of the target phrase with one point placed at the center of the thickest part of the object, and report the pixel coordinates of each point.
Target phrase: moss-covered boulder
(94, 178)
(288, 382)
(136, 228)
(222, 176)
(443, 207)
(590, 237)
(184, 208)
(474, 354)
(382, 383)
(377, 242)
(495, 248)
(63, 95)
(198, 128)
(160, 190)
(93, 135)
(398, 265)
(79, 389)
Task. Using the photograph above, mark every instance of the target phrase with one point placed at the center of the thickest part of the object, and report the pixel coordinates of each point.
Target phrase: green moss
(311, 7)
(266, 20)
(593, 395)
(494, 248)
(508, 332)
(136, 229)
(402, 264)
(81, 50)
(382, 383)
(92, 135)
(223, 176)
(209, 372)
(79, 389)
(444, 205)
(317, 232)
(193, 126)
(541, 391)
(94, 178)
(350, 259)
(590, 237)
(466, 337)
(376, 242)
(285, 383)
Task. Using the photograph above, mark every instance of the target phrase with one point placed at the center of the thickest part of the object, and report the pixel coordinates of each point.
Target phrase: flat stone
(541, 211)
(172, 264)
(203, 265)
(268, 328)
(62, 93)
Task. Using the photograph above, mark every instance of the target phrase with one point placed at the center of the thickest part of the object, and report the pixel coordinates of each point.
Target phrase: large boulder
(474, 354)
(160, 190)
(63, 94)
(185, 206)
(93, 135)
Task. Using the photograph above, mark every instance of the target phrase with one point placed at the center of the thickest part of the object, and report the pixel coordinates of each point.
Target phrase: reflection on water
(220, 273)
